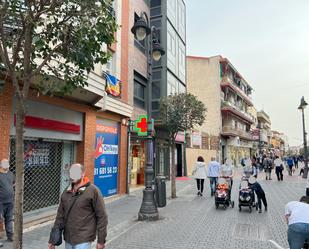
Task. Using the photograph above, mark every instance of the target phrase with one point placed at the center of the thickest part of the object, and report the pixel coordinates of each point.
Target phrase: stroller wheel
(256, 207)
(250, 209)
(224, 207)
(217, 205)
(239, 208)
(233, 204)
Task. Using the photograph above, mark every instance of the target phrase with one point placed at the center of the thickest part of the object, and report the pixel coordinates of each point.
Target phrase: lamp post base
(148, 211)
(305, 174)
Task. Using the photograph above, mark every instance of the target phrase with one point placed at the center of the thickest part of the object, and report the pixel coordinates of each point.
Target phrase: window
(139, 90)
(111, 63)
(141, 45)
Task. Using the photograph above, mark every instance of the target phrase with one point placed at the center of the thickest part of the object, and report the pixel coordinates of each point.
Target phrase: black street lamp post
(141, 29)
(302, 107)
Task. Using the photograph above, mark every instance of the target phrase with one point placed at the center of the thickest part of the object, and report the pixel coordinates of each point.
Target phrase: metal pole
(305, 174)
(128, 159)
(148, 210)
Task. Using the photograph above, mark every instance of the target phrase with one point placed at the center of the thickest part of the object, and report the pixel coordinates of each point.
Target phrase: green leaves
(181, 112)
(67, 37)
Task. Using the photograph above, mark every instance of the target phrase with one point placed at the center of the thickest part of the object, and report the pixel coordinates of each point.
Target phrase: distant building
(227, 96)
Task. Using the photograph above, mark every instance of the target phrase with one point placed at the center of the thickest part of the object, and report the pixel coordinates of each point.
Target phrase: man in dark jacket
(87, 217)
(7, 180)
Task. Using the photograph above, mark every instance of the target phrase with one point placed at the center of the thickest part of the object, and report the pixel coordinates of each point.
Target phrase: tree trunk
(19, 184)
(173, 188)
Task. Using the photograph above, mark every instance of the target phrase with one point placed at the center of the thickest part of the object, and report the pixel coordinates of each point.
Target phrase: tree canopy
(58, 40)
(181, 112)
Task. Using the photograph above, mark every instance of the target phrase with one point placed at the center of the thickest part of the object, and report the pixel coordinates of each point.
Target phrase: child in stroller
(223, 194)
(246, 195)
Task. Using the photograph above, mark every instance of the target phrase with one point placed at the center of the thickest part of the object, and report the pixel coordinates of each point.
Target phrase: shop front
(51, 134)
(137, 162)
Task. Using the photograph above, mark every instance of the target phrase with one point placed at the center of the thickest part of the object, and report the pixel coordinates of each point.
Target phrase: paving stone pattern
(193, 222)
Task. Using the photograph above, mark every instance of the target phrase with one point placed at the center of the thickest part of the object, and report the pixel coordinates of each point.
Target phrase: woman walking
(200, 174)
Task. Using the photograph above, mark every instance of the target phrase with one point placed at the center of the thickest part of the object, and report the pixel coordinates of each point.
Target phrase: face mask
(75, 173)
(5, 164)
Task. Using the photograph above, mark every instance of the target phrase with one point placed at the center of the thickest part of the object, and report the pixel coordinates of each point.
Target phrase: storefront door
(44, 175)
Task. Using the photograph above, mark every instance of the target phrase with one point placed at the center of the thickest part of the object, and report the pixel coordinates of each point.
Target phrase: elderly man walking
(7, 180)
(81, 214)
(213, 174)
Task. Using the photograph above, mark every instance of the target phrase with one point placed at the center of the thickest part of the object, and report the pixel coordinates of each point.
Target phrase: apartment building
(227, 96)
(169, 75)
(264, 126)
(88, 127)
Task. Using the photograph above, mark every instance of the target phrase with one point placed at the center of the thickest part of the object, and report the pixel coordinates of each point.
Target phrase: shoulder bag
(55, 237)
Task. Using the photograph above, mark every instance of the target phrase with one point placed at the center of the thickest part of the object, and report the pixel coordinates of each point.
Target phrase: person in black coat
(257, 188)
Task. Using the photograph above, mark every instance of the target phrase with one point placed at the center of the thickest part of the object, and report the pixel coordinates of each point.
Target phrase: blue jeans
(297, 234)
(86, 245)
(213, 184)
(6, 214)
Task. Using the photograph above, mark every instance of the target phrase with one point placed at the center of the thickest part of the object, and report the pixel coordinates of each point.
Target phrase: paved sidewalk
(122, 214)
(193, 222)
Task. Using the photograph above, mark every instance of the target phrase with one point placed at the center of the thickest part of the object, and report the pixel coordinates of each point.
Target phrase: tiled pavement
(193, 222)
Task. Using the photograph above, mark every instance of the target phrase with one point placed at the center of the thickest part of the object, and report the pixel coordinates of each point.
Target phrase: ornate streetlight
(141, 30)
(302, 107)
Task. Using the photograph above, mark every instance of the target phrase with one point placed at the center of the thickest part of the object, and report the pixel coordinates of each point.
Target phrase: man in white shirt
(213, 174)
(297, 216)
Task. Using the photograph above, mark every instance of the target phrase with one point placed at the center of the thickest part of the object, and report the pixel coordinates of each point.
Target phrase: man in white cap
(7, 180)
(81, 213)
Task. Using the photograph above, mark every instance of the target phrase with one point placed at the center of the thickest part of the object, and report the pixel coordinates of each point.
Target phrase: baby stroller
(223, 194)
(246, 195)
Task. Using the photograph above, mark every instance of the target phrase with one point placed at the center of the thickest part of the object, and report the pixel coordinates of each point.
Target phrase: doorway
(179, 160)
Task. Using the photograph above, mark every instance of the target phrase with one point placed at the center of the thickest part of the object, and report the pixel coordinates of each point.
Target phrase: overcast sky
(268, 42)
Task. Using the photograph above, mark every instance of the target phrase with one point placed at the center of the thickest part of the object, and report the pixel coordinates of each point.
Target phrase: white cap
(5, 164)
(76, 172)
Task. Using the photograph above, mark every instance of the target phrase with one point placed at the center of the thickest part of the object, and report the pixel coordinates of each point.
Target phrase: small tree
(180, 113)
(51, 46)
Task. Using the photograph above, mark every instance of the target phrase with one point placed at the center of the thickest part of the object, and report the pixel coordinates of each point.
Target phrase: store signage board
(141, 125)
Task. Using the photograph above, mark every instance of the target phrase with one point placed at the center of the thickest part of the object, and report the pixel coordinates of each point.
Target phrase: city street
(193, 222)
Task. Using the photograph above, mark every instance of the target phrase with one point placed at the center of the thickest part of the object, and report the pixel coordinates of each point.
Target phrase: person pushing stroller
(254, 185)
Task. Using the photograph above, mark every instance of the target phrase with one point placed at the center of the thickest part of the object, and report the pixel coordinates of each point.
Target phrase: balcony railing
(227, 81)
(225, 105)
(231, 131)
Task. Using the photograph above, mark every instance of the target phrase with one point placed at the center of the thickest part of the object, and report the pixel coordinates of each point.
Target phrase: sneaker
(201, 194)
(1, 245)
(10, 239)
(198, 193)
(260, 211)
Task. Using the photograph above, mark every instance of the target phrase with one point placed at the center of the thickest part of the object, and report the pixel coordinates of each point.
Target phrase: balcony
(230, 108)
(229, 131)
(227, 82)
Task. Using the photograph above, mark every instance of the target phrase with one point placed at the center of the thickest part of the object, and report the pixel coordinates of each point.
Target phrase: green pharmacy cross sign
(141, 125)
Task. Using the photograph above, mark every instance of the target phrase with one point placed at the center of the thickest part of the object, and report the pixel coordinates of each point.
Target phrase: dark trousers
(200, 185)
(6, 214)
(261, 198)
(268, 173)
(279, 173)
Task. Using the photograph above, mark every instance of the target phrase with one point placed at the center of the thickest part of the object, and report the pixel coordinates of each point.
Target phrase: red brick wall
(123, 159)
(6, 102)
